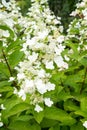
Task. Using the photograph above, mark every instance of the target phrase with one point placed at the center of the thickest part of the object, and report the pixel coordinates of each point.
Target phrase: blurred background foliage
(24, 4)
(61, 8)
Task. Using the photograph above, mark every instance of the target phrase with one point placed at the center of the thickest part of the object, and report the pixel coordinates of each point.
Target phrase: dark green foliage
(24, 5)
(63, 8)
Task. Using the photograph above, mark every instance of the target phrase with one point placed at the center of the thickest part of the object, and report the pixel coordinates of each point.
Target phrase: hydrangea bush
(42, 49)
(42, 71)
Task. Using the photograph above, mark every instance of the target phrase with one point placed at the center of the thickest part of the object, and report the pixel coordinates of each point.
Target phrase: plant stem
(7, 62)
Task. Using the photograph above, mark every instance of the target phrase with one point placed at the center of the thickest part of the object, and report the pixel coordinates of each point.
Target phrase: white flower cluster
(78, 27)
(43, 36)
(9, 16)
(10, 20)
(9, 13)
(42, 49)
(79, 7)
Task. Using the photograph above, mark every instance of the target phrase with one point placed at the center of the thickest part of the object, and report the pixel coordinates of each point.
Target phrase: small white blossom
(41, 73)
(1, 124)
(43, 34)
(5, 3)
(38, 108)
(60, 63)
(41, 87)
(85, 124)
(49, 65)
(29, 86)
(60, 39)
(56, 21)
(33, 57)
(20, 76)
(59, 49)
(80, 5)
(48, 102)
(2, 107)
(15, 91)
(50, 86)
(74, 13)
(11, 79)
(22, 94)
(9, 22)
(66, 58)
(5, 33)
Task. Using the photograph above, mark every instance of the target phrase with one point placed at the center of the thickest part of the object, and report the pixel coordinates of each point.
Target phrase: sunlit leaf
(22, 125)
(60, 115)
(15, 58)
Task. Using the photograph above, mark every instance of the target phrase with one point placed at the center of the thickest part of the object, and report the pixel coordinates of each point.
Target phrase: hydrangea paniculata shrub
(42, 49)
(42, 72)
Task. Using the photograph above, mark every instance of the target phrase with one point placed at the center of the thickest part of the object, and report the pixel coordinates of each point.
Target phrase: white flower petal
(41, 87)
(48, 102)
(6, 33)
(38, 108)
(2, 107)
(1, 124)
(49, 65)
(85, 124)
(11, 79)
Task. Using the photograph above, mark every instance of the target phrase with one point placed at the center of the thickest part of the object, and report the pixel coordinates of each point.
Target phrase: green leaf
(12, 101)
(48, 123)
(64, 95)
(4, 83)
(56, 127)
(39, 116)
(9, 104)
(64, 128)
(15, 58)
(83, 60)
(6, 89)
(60, 115)
(9, 94)
(14, 45)
(4, 70)
(69, 105)
(56, 77)
(81, 113)
(4, 129)
(83, 104)
(15, 110)
(22, 118)
(5, 86)
(73, 81)
(51, 128)
(22, 125)
(77, 126)
(1, 45)
(74, 47)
